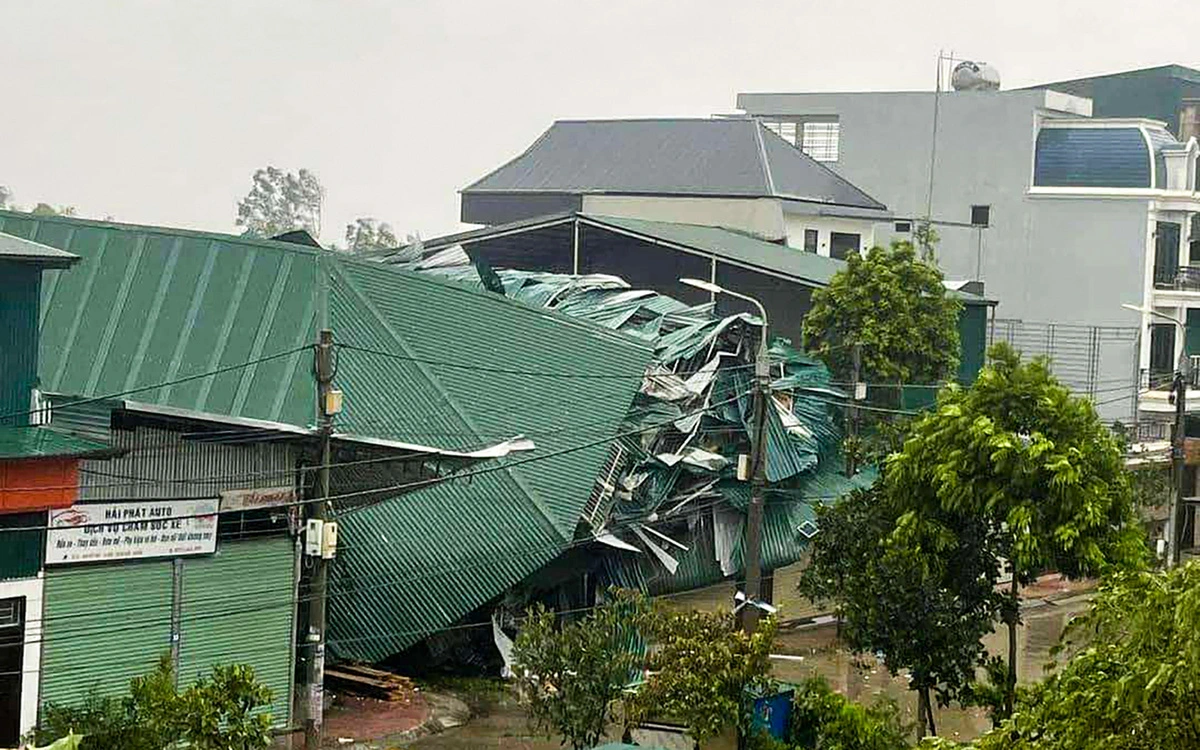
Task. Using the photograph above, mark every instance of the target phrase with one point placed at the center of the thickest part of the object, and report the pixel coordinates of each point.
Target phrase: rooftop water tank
(974, 76)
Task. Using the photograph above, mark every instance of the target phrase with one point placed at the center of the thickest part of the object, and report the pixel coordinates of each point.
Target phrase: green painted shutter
(104, 624)
(238, 608)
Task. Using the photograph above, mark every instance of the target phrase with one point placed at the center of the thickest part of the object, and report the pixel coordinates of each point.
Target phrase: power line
(511, 371)
(164, 384)
(406, 486)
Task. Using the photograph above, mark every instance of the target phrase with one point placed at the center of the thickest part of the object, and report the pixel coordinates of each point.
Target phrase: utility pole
(758, 454)
(852, 412)
(318, 582)
(758, 481)
(1178, 435)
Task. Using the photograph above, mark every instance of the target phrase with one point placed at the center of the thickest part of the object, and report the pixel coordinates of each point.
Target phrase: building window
(810, 240)
(981, 216)
(1189, 120)
(842, 244)
(817, 137)
(1166, 253)
(903, 227)
(1162, 353)
(820, 140)
(785, 129)
(1194, 241)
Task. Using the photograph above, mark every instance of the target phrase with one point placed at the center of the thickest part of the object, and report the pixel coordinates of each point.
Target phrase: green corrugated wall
(103, 625)
(238, 607)
(20, 290)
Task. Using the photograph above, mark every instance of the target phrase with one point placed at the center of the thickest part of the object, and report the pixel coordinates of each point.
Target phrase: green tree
(1018, 453)
(702, 668)
(45, 209)
(823, 720)
(895, 307)
(281, 201)
(367, 234)
(224, 711)
(571, 674)
(925, 613)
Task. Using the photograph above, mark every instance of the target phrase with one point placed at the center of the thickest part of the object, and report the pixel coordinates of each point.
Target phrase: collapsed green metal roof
(433, 362)
(672, 485)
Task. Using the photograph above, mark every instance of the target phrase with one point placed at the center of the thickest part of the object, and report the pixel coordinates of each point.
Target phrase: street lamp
(715, 289)
(1179, 389)
(758, 455)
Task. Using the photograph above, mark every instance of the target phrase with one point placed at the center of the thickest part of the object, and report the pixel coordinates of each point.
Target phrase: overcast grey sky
(158, 112)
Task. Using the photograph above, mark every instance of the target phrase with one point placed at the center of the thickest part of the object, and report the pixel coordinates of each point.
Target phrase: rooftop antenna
(942, 58)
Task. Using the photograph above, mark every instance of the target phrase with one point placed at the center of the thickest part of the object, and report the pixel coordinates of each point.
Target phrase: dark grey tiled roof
(732, 157)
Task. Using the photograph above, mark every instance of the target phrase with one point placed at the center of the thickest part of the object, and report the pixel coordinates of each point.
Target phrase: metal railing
(1148, 432)
(1183, 278)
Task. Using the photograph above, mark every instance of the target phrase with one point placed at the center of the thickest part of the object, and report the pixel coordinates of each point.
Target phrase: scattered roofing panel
(42, 442)
(1092, 157)
(734, 246)
(20, 249)
(730, 157)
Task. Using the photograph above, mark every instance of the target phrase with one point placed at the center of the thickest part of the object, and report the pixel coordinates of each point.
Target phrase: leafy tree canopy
(822, 719)
(281, 201)
(701, 668)
(925, 613)
(1017, 453)
(894, 306)
(367, 234)
(572, 675)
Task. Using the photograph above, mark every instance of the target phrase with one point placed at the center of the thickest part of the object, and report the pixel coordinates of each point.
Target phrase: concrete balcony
(1154, 391)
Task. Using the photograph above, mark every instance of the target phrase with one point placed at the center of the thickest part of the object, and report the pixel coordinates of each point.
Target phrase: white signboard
(125, 531)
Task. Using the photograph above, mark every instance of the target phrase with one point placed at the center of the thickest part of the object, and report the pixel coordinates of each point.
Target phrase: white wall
(31, 667)
(825, 226)
(762, 217)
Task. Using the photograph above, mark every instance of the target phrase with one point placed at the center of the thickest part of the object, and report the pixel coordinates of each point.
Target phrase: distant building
(1056, 212)
(728, 172)
(1169, 93)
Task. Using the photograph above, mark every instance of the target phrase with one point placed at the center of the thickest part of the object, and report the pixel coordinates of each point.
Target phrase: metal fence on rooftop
(1099, 362)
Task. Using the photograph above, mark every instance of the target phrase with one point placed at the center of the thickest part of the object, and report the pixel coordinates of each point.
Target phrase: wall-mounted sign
(253, 499)
(124, 531)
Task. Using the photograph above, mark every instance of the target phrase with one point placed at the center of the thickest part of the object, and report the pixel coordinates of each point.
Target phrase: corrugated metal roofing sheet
(42, 442)
(732, 157)
(148, 304)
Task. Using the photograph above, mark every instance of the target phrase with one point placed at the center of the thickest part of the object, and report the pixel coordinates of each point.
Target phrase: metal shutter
(237, 607)
(104, 624)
